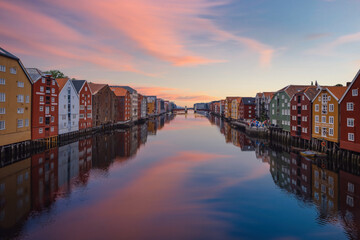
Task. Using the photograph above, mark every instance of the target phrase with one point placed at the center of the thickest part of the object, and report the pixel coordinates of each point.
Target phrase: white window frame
(316, 107)
(350, 122)
(20, 84)
(2, 125)
(2, 97)
(13, 70)
(2, 81)
(349, 106)
(355, 92)
(20, 123)
(351, 137)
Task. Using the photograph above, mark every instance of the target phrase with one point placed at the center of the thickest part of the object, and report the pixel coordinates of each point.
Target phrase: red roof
(120, 92)
(95, 87)
(61, 82)
(338, 92)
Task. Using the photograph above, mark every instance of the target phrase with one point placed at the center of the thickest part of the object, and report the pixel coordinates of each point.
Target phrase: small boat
(312, 154)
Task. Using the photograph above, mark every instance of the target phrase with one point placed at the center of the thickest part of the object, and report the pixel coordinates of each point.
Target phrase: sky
(188, 51)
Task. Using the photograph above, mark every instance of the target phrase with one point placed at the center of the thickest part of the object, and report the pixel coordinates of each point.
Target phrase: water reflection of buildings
(234, 136)
(334, 191)
(35, 183)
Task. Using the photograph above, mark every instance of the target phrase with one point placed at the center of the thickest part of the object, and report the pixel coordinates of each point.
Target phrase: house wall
(302, 121)
(280, 110)
(45, 101)
(345, 115)
(104, 107)
(325, 126)
(11, 133)
(68, 109)
(85, 107)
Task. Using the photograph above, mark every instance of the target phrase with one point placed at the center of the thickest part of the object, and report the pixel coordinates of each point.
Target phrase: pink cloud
(111, 33)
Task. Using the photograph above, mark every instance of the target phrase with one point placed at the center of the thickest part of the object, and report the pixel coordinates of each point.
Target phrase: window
(2, 81)
(324, 98)
(331, 132)
(20, 110)
(350, 122)
(52, 118)
(2, 111)
(351, 187)
(41, 108)
(52, 99)
(40, 130)
(64, 117)
(41, 98)
(331, 120)
(53, 90)
(52, 108)
(41, 89)
(27, 99)
(41, 119)
(81, 116)
(13, 70)
(349, 200)
(89, 115)
(2, 97)
(53, 82)
(47, 110)
(350, 106)
(354, 92)
(317, 129)
(85, 89)
(2, 125)
(20, 84)
(26, 122)
(316, 107)
(74, 116)
(2, 68)
(20, 98)
(20, 123)
(323, 119)
(316, 118)
(331, 107)
(52, 129)
(351, 137)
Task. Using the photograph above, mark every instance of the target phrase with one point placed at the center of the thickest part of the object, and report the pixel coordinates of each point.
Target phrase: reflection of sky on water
(184, 183)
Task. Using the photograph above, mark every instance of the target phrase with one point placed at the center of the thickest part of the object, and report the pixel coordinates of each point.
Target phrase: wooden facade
(301, 113)
(15, 100)
(104, 104)
(325, 113)
(45, 104)
(247, 108)
(123, 104)
(350, 116)
(85, 103)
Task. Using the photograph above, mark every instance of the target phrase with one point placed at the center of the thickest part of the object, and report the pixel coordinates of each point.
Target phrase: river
(177, 177)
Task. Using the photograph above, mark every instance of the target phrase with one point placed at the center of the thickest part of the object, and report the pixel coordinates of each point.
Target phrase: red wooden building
(123, 104)
(350, 116)
(85, 103)
(247, 108)
(45, 94)
(301, 113)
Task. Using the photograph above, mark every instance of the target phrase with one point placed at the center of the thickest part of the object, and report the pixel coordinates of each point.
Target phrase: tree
(339, 85)
(56, 74)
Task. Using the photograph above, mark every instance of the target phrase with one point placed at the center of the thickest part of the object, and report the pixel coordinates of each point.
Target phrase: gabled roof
(292, 89)
(5, 53)
(269, 94)
(120, 92)
(78, 84)
(310, 92)
(349, 87)
(35, 74)
(61, 82)
(95, 87)
(336, 92)
(248, 100)
(131, 90)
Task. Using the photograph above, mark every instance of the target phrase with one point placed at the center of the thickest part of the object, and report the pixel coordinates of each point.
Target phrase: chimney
(348, 84)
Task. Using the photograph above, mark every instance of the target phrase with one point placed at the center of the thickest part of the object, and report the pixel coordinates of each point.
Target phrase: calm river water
(179, 177)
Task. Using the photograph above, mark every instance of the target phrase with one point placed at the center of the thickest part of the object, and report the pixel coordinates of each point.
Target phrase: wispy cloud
(315, 36)
(114, 34)
(328, 49)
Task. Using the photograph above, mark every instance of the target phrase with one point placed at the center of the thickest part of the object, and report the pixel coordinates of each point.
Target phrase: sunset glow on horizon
(187, 51)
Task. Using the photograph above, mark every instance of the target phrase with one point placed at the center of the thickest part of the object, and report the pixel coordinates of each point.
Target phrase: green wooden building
(280, 106)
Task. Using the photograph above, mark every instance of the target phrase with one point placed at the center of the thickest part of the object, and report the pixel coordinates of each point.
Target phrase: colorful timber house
(45, 100)
(15, 100)
(85, 104)
(151, 105)
(104, 105)
(325, 113)
(247, 108)
(280, 106)
(235, 103)
(350, 116)
(301, 113)
(142, 106)
(228, 107)
(123, 104)
(68, 106)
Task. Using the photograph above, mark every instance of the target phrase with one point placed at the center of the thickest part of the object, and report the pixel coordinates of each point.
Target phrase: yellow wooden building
(15, 100)
(235, 103)
(325, 113)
